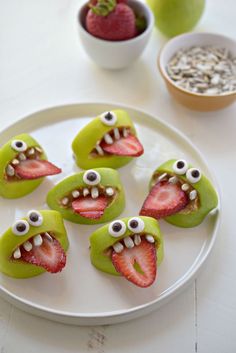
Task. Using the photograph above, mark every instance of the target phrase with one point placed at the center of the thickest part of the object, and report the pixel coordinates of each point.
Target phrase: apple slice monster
(34, 245)
(180, 194)
(91, 197)
(23, 164)
(109, 140)
(131, 247)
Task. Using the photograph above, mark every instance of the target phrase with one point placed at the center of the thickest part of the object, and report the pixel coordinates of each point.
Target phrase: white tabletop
(42, 64)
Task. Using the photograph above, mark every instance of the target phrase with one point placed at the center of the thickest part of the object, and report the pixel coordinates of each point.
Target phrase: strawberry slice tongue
(164, 199)
(138, 264)
(90, 208)
(126, 146)
(35, 168)
(49, 255)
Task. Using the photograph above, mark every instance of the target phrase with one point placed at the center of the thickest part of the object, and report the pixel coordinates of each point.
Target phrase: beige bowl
(193, 100)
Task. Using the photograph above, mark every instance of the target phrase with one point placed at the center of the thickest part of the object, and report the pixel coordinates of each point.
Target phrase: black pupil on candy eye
(34, 217)
(134, 224)
(108, 116)
(91, 176)
(19, 144)
(21, 227)
(195, 173)
(180, 164)
(116, 227)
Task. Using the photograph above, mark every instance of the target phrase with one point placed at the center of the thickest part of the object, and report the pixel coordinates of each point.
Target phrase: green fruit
(108, 178)
(196, 210)
(18, 188)
(86, 140)
(101, 241)
(9, 242)
(174, 17)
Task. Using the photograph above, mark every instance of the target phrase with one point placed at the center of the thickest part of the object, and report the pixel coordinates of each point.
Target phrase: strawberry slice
(126, 146)
(90, 208)
(138, 264)
(164, 199)
(49, 255)
(35, 168)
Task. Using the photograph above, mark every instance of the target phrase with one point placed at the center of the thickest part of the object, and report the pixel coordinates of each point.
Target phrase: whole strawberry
(111, 20)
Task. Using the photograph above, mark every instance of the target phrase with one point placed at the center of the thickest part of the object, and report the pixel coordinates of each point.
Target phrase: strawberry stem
(141, 23)
(103, 7)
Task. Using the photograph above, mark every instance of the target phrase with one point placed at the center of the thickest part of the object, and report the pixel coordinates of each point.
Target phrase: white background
(42, 64)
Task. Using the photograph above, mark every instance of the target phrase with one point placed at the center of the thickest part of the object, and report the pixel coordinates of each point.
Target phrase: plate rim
(137, 311)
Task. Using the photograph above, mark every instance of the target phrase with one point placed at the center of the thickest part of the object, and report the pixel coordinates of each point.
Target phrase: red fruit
(90, 208)
(49, 255)
(35, 168)
(164, 199)
(144, 256)
(111, 22)
(125, 146)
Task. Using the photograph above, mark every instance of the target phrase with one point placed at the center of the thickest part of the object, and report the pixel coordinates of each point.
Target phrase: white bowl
(196, 101)
(117, 54)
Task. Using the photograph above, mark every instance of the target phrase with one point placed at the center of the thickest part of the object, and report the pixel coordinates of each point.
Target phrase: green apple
(174, 17)
(91, 197)
(16, 237)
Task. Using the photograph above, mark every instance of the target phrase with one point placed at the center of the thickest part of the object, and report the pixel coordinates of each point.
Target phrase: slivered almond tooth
(150, 238)
(125, 132)
(22, 156)
(37, 240)
(108, 139)
(162, 176)
(185, 187)
(27, 245)
(48, 236)
(39, 149)
(17, 254)
(109, 191)
(137, 239)
(116, 133)
(10, 170)
(94, 192)
(128, 241)
(65, 201)
(75, 194)
(193, 195)
(15, 161)
(31, 151)
(173, 180)
(85, 192)
(118, 247)
(99, 150)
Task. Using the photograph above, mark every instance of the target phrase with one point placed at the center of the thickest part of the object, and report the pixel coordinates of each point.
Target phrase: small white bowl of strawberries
(115, 32)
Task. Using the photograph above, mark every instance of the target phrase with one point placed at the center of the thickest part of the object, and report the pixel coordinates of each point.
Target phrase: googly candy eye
(20, 227)
(193, 175)
(91, 177)
(180, 167)
(117, 228)
(136, 224)
(35, 218)
(19, 146)
(108, 118)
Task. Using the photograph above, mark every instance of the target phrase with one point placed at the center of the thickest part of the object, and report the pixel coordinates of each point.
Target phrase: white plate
(80, 294)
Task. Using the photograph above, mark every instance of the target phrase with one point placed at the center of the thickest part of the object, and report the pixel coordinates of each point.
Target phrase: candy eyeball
(20, 227)
(35, 218)
(91, 177)
(180, 167)
(136, 225)
(108, 118)
(19, 146)
(117, 228)
(193, 175)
